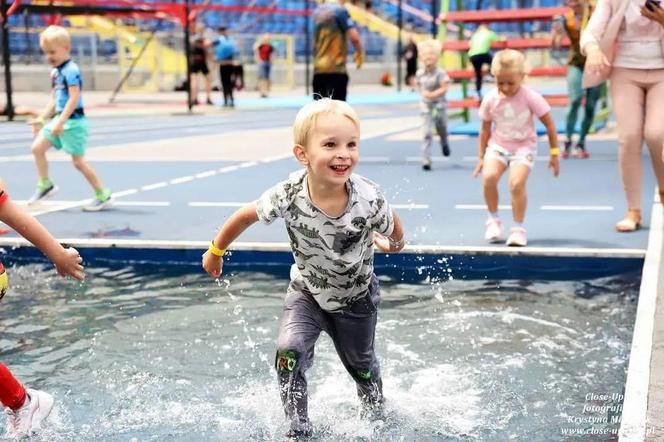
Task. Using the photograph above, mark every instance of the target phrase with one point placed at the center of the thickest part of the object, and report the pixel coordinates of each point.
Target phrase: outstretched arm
(232, 228)
(67, 261)
(393, 243)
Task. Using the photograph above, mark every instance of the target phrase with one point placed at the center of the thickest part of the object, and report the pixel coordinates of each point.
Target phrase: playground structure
(150, 62)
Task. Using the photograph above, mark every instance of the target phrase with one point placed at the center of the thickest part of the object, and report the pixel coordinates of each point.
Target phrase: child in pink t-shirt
(508, 139)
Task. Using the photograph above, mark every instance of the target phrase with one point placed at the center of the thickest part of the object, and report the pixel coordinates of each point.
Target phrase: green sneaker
(101, 201)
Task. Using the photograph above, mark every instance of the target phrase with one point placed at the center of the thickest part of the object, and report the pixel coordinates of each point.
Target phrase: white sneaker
(27, 419)
(517, 237)
(494, 230)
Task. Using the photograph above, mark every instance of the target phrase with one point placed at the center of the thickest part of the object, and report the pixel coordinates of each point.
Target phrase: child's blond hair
(305, 120)
(55, 35)
(508, 61)
(431, 44)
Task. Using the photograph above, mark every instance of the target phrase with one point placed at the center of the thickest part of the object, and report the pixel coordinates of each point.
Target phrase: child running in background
(27, 408)
(334, 219)
(432, 82)
(68, 130)
(508, 139)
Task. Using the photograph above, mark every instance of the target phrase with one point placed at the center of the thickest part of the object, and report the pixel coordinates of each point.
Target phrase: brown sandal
(631, 222)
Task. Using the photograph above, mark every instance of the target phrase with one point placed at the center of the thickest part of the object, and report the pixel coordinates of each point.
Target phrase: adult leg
(226, 72)
(477, 62)
(575, 95)
(221, 83)
(592, 96)
(12, 393)
(193, 81)
(318, 86)
(353, 332)
(208, 88)
(517, 185)
(628, 106)
(654, 129)
(301, 323)
(340, 83)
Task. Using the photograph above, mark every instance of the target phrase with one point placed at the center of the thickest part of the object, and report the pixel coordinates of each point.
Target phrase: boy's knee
(287, 360)
(39, 146)
(79, 162)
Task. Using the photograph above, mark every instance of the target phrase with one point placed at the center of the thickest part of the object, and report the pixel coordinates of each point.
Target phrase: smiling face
(331, 151)
(509, 82)
(55, 53)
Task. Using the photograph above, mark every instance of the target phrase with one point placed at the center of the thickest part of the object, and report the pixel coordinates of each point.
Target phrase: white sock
(517, 224)
(493, 215)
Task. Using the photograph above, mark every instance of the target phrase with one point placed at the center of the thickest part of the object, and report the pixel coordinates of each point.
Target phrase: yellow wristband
(554, 151)
(216, 251)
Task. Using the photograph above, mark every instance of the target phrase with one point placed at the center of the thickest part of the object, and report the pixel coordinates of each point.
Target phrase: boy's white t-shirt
(333, 255)
(512, 117)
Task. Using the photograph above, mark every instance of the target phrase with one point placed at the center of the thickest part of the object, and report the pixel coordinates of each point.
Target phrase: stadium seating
(26, 44)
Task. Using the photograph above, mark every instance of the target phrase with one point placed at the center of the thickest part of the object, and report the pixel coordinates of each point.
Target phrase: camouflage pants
(352, 330)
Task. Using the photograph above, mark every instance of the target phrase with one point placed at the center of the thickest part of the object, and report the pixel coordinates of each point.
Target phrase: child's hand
(596, 61)
(58, 128)
(69, 264)
(385, 244)
(478, 168)
(212, 264)
(36, 125)
(554, 165)
(359, 59)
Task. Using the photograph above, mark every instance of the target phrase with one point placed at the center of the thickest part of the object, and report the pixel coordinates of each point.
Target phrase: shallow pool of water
(150, 354)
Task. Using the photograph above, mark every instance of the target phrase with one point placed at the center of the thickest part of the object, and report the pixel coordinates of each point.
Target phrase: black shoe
(446, 150)
(426, 166)
(209, 102)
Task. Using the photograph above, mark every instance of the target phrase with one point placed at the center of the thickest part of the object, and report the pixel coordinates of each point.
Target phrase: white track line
(154, 186)
(635, 405)
(480, 207)
(584, 208)
(409, 206)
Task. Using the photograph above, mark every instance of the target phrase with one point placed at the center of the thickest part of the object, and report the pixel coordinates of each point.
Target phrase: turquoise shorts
(73, 139)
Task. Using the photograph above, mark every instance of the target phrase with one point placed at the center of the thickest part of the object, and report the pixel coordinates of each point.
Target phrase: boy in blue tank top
(68, 129)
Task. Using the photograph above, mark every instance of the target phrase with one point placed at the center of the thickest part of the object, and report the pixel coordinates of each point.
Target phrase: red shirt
(264, 51)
